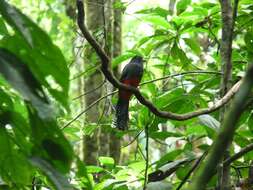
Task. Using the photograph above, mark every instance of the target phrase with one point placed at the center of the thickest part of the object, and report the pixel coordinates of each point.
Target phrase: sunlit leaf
(182, 5)
(21, 78)
(45, 59)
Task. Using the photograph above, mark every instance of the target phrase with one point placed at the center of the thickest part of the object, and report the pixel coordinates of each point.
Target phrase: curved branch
(114, 81)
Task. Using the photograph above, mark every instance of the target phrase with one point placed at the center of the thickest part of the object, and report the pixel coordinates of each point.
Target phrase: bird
(131, 75)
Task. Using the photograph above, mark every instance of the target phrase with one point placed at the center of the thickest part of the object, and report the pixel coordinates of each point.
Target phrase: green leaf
(94, 169)
(250, 122)
(44, 58)
(19, 129)
(14, 18)
(20, 77)
(167, 97)
(182, 5)
(163, 135)
(3, 28)
(137, 166)
(14, 167)
(249, 41)
(210, 122)
(179, 54)
(182, 171)
(193, 44)
(59, 181)
(116, 61)
(196, 130)
(106, 161)
(241, 140)
(6, 102)
(169, 157)
(119, 5)
(90, 129)
(157, 21)
(82, 172)
(174, 165)
(155, 11)
(50, 143)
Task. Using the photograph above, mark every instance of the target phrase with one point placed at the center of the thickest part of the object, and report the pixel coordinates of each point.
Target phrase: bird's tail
(121, 120)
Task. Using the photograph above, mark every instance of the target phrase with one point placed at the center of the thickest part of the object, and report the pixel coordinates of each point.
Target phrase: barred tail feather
(121, 120)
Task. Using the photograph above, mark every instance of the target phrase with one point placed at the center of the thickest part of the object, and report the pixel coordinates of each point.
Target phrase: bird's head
(137, 59)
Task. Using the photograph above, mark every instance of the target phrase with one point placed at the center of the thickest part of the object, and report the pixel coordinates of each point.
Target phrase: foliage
(30, 135)
(35, 83)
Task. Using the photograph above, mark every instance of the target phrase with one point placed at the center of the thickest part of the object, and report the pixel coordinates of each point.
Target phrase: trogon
(131, 75)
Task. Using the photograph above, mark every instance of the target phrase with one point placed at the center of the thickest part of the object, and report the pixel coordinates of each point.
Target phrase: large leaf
(50, 143)
(46, 60)
(209, 122)
(20, 77)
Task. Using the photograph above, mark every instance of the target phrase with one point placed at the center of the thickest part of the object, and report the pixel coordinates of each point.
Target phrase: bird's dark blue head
(137, 60)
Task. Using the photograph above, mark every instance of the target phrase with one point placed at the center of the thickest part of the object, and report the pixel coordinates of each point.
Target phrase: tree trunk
(100, 16)
(226, 68)
(94, 22)
(117, 49)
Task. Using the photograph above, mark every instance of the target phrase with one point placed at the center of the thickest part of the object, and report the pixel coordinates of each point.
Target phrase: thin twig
(90, 91)
(193, 168)
(84, 72)
(132, 141)
(179, 74)
(88, 108)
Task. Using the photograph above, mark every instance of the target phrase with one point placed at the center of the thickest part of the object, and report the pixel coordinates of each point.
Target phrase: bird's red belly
(131, 82)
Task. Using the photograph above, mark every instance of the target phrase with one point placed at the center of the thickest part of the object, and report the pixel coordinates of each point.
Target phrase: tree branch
(238, 155)
(112, 79)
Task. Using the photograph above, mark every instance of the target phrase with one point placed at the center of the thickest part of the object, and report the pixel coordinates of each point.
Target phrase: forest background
(190, 121)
